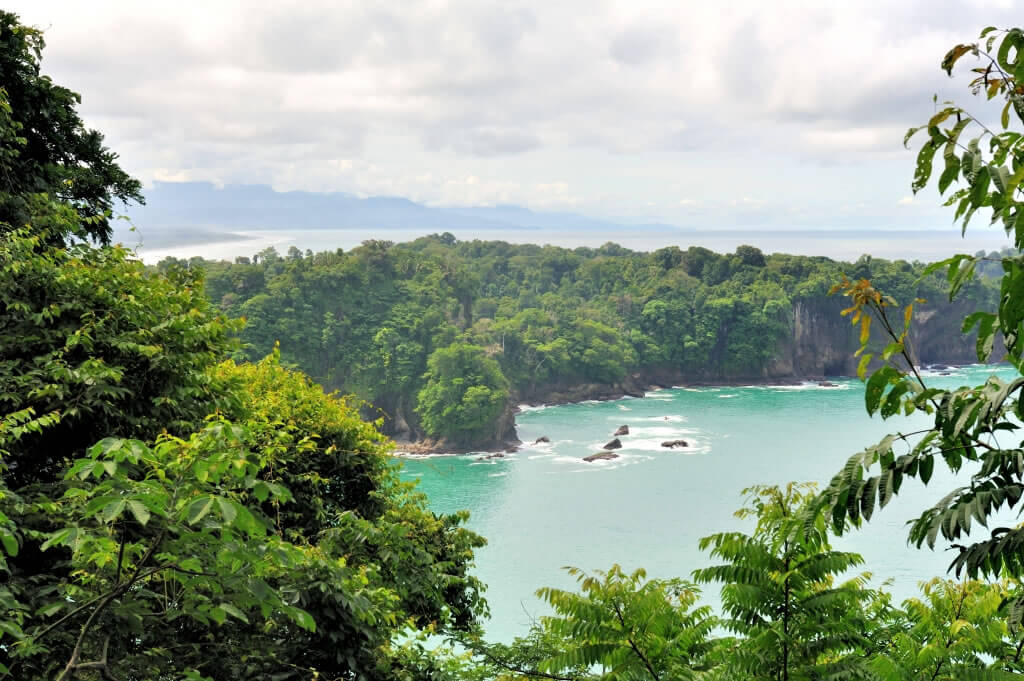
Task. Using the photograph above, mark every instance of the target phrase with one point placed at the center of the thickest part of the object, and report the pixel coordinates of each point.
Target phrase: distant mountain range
(184, 211)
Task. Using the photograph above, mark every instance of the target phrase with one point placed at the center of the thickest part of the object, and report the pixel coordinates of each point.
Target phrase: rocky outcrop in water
(673, 444)
(600, 456)
(623, 430)
(614, 444)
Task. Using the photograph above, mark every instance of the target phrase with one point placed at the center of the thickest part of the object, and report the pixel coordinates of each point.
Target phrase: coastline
(636, 386)
(591, 392)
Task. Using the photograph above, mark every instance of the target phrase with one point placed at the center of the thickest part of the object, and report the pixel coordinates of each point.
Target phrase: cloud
(618, 99)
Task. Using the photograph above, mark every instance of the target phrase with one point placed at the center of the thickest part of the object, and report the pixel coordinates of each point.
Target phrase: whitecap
(658, 431)
(671, 418)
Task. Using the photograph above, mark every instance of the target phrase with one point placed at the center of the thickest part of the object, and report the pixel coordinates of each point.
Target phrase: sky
(773, 115)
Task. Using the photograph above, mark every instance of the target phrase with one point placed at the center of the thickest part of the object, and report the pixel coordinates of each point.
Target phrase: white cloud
(630, 103)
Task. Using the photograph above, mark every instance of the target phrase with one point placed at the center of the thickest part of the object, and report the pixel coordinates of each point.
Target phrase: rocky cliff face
(822, 341)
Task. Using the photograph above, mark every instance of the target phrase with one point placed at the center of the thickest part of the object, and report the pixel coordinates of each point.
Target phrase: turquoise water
(543, 508)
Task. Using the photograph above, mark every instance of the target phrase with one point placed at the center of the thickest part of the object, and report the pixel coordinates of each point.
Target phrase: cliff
(819, 343)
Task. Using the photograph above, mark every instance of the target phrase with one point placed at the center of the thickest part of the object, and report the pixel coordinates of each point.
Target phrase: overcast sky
(754, 114)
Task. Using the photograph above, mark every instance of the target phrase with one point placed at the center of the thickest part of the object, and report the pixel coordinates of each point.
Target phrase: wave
(657, 431)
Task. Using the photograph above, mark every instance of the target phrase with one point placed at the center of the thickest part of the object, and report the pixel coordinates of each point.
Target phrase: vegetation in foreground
(166, 514)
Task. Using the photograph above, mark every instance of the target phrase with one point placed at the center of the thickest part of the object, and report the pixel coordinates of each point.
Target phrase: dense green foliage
(791, 610)
(46, 147)
(465, 392)
(781, 596)
(370, 320)
(169, 514)
(973, 426)
(276, 527)
(166, 515)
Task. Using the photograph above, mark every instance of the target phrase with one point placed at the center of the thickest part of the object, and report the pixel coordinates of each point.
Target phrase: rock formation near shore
(600, 456)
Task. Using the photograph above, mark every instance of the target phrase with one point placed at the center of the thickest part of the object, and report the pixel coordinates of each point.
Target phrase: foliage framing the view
(46, 147)
(973, 427)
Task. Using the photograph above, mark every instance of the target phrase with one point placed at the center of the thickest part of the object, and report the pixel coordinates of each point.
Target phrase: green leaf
(923, 171)
(925, 467)
(139, 510)
(303, 619)
(198, 509)
(228, 510)
(112, 511)
(10, 542)
(876, 386)
(234, 612)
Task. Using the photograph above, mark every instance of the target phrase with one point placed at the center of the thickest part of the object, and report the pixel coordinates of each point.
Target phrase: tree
(465, 391)
(46, 147)
(632, 627)
(780, 593)
(972, 427)
(955, 630)
(618, 627)
(750, 256)
(98, 345)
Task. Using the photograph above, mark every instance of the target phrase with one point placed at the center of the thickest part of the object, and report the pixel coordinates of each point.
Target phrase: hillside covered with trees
(167, 512)
(443, 337)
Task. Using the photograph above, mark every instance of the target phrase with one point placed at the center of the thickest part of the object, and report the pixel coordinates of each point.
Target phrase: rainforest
(198, 480)
(443, 338)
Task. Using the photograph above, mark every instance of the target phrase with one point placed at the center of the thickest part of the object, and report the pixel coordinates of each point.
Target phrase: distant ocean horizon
(845, 245)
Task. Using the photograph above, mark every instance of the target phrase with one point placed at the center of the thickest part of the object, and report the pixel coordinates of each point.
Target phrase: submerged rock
(672, 444)
(614, 444)
(623, 430)
(827, 384)
(497, 455)
(600, 456)
(542, 438)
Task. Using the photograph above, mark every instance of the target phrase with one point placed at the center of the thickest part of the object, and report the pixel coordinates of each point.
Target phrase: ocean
(925, 246)
(543, 508)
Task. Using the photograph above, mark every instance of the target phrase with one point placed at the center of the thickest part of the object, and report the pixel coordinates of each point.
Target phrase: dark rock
(542, 438)
(511, 450)
(614, 444)
(497, 455)
(600, 456)
(944, 373)
(672, 444)
(827, 384)
(623, 430)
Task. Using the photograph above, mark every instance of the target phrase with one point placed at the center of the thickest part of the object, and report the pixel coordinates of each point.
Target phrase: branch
(629, 639)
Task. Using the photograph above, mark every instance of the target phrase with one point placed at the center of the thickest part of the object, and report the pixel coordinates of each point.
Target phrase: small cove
(543, 508)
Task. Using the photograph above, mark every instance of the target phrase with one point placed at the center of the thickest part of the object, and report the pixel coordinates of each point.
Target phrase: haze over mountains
(187, 212)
